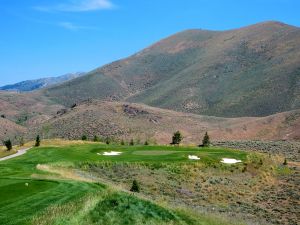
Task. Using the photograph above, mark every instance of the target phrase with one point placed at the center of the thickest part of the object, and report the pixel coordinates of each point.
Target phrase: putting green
(154, 152)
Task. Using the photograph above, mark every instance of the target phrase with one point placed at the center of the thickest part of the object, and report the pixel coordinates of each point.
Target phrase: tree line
(8, 143)
(177, 139)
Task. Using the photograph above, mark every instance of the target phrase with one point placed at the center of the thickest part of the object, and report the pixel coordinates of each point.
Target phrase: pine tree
(8, 144)
(131, 142)
(177, 138)
(37, 141)
(206, 140)
(135, 187)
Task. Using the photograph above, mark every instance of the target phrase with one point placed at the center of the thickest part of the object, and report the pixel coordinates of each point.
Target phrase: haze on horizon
(51, 38)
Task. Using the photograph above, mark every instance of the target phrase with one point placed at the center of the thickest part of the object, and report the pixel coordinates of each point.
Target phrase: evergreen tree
(206, 140)
(177, 138)
(131, 142)
(84, 138)
(37, 141)
(107, 141)
(8, 144)
(135, 187)
(122, 142)
(146, 143)
(285, 162)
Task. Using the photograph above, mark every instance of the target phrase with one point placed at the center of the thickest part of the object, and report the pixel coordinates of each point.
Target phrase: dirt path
(20, 152)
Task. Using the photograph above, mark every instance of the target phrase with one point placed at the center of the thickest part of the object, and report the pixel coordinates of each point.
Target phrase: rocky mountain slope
(251, 71)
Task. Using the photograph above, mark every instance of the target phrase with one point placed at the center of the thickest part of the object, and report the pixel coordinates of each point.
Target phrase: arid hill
(10, 129)
(251, 71)
(125, 120)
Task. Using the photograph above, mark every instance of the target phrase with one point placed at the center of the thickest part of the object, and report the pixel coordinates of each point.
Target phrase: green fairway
(26, 192)
(81, 153)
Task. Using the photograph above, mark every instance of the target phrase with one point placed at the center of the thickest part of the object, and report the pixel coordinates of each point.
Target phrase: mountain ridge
(220, 73)
(36, 84)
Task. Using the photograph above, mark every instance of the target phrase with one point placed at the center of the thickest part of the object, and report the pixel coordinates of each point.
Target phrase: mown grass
(88, 152)
(27, 196)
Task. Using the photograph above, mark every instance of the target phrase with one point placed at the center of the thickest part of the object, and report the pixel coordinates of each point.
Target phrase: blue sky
(41, 38)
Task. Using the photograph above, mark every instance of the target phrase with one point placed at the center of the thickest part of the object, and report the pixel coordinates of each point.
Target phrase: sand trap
(230, 161)
(110, 153)
(194, 157)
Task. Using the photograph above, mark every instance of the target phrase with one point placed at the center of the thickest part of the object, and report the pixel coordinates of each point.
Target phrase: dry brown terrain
(125, 120)
(10, 129)
(21, 107)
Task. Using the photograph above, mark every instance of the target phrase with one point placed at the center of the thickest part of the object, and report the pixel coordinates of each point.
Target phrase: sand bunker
(230, 161)
(110, 153)
(194, 157)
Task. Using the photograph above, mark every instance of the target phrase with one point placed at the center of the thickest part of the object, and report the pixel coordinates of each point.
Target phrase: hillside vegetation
(119, 121)
(252, 71)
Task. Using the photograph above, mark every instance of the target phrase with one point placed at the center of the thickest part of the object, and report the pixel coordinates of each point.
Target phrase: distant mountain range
(31, 85)
(251, 71)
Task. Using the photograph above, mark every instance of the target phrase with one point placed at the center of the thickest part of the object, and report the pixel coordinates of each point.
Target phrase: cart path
(20, 152)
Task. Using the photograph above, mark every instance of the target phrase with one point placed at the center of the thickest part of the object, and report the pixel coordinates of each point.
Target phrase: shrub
(285, 162)
(177, 138)
(37, 141)
(107, 141)
(8, 144)
(96, 139)
(146, 143)
(135, 187)
(21, 141)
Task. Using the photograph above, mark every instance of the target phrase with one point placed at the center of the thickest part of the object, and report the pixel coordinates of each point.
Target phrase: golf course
(76, 182)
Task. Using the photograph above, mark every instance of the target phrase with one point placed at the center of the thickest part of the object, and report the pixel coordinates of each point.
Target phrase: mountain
(251, 71)
(122, 120)
(31, 85)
